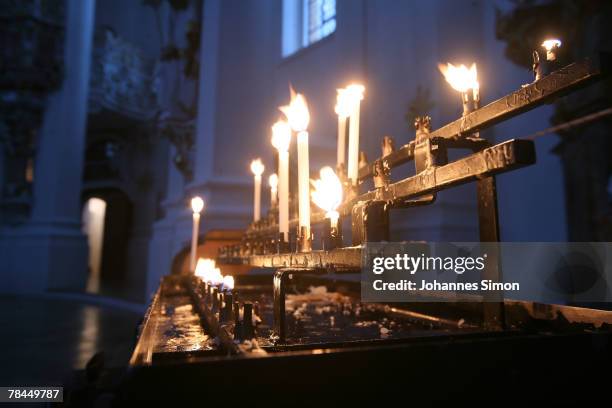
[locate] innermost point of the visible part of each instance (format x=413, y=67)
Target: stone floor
x=43, y=339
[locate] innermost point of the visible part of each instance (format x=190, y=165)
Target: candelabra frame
x=369, y=211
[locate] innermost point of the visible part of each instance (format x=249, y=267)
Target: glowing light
x=344, y=103
x=197, y=204
x=257, y=167
x=354, y=93
x=273, y=181
x=297, y=112
x=228, y=282
x=328, y=192
x=281, y=135
x=204, y=268
x=216, y=278
x=551, y=43
x=208, y=272
x=461, y=78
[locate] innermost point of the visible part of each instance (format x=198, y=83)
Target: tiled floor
x=42, y=339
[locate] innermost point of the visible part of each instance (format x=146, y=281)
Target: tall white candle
x=281, y=137
x=283, y=194
x=257, y=168
x=257, y=199
x=298, y=118
x=273, y=182
x=197, y=204
x=341, y=141
x=343, y=110
x=355, y=95
x=304, y=181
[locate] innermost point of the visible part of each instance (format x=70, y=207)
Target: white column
x=58, y=170
x=207, y=102
x=50, y=251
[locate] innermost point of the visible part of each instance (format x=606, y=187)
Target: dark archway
x=117, y=228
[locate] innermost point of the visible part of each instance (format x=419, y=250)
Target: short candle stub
x=304, y=240
x=467, y=99
x=214, y=299
x=332, y=235
x=225, y=314
x=237, y=325
x=282, y=246
x=248, y=331
x=552, y=48
x=545, y=64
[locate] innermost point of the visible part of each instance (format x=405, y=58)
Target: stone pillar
x=49, y=251
x=207, y=101
x=173, y=232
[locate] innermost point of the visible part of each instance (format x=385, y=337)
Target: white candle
x=273, y=182
x=304, y=181
x=355, y=95
x=341, y=141
x=257, y=199
x=298, y=118
x=257, y=168
x=281, y=137
x=197, y=204
x=283, y=194
x=343, y=110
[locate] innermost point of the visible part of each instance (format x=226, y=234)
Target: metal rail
x=549, y=87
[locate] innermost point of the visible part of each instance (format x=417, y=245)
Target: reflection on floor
x=43, y=339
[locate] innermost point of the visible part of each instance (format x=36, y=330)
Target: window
x=306, y=22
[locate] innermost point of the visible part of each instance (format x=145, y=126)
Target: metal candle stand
x=370, y=211
x=219, y=312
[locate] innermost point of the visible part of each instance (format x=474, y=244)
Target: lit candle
x=204, y=267
x=463, y=80
x=215, y=278
x=544, y=66
x=327, y=194
x=281, y=137
x=197, y=204
x=354, y=93
x=273, y=182
x=228, y=282
x=551, y=46
x=298, y=118
x=257, y=168
x=343, y=110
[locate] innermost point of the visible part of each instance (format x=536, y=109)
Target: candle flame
x=297, y=112
x=460, y=77
x=551, y=43
x=257, y=167
x=228, y=282
x=215, y=277
x=344, y=103
x=281, y=135
x=354, y=94
x=204, y=268
x=328, y=192
x=273, y=181
x=197, y=204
